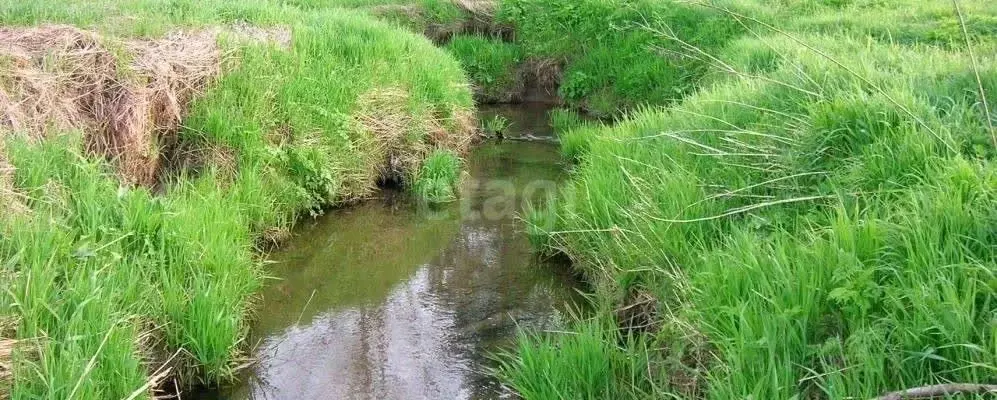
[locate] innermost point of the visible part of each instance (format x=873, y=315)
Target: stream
x=391, y=299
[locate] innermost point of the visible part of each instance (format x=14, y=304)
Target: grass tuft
x=437, y=180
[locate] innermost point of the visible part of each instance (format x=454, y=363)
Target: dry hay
x=7, y=327
x=479, y=10
x=541, y=79
x=385, y=116
x=536, y=80
x=639, y=312
x=11, y=201
x=6, y=350
x=402, y=137
x=480, y=19
x=56, y=78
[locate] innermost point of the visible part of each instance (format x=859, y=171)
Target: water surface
x=392, y=299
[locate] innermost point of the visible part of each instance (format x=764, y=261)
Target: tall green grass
x=492, y=65
x=573, y=132
x=110, y=282
x=816, y=220
x=437, y=180
x=603, y=367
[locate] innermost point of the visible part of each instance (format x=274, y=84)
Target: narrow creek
x=391, y=299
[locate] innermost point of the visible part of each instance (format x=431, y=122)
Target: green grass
x=107, y=278
x=153, y=18
x=573, y=132
x=540, y=218
x=611, y=63
x=812, y=228
x=492, y=65
x=602, y=367
x=437, y=180
x=495, y=126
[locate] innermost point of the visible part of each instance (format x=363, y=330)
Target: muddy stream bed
x=390, y=299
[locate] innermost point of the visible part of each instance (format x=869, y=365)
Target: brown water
x=396, y=300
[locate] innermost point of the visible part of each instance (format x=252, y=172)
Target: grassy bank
x=810, y=214
x=593, y=55
x=116, y=288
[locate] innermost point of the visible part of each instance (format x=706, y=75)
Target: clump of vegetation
x=438, y=20
x=575, y=142
x=110, y=281
x=541, y=220
x=438, y=178
x=565, y=119
x=495, y=126
x=492, y=64
x=813, y=221
x=573, y=131
x=603, y=368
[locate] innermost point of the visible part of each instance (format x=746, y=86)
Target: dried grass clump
x=7, y=329
x=402, y=138
x=127, y=97
x=385, y=115
x=475, y=17
x=11, y=201
x=465, y=130
x=281, y=36
x=639, y=312
x=480, y=19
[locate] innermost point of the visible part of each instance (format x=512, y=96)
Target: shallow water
x=395, y=300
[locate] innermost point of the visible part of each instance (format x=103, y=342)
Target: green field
x=784, y=199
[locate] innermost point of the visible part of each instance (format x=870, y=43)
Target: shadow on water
x=395, y=300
